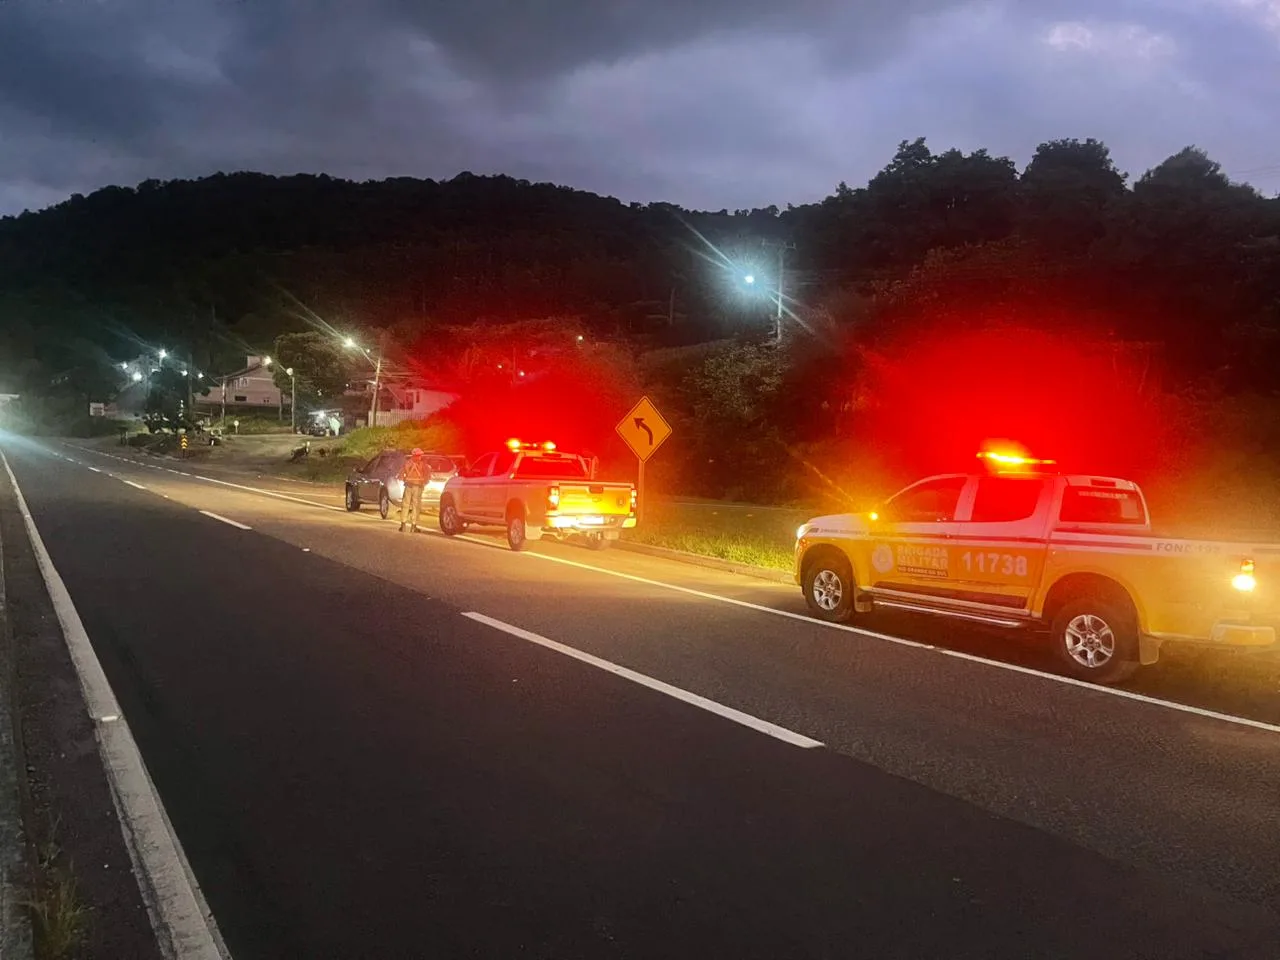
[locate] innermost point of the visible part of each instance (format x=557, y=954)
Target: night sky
x=706, y=103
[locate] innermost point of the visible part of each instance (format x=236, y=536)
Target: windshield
x=551, y=468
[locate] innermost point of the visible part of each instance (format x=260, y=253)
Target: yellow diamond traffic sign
x=644, y=429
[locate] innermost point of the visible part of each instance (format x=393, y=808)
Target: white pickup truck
x=534, y=490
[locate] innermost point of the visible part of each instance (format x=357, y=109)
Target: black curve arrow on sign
x=641, y=425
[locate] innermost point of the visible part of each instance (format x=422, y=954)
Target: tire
x=1095, y=639
x=353, y=499
x=598, y=541
x=384, y=504
x=829, y=587
x=517, y=537
x=450, y=525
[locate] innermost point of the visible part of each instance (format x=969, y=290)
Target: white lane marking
x=132, y=484
x=95, y=469
x=972, y=658
x=856, y=631
x=230, y=523
x=181, y=919
x=269, y=493
x=729, y=713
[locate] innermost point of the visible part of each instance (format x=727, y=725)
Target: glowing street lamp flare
x=163, y=354
x=124, y=366
x=137, y=375
x=749, y=279
x=266, y=361
x=349, y=342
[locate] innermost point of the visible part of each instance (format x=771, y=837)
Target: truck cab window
x=502, y=466
x=933, y=501
x=1006, y=499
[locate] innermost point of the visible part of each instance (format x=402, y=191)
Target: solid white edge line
x=132, y=484
x=846, y=628
x=182, y=923
x=230, y=523
x=711, y=706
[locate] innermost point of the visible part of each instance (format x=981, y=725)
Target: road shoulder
x=70, y=816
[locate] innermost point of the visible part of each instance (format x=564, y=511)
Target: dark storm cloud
x=515, y=40
x=706, y=102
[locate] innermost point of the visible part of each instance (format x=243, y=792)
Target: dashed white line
x=729, y=713
x=95, y=469
x=944, y=651
x=132, y=484
x=230, y=523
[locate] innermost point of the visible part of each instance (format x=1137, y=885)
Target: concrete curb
x=713, y=563
x=16, y=941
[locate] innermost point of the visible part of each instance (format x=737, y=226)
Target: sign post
x=644, y=430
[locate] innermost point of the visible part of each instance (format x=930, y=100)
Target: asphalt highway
x=375, y=744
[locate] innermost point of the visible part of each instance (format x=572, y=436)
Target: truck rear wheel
x=1096, y=639
x=828, y=586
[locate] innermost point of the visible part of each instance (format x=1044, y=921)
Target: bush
x=434, y=434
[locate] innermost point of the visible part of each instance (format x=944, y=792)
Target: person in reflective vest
x=414, y=474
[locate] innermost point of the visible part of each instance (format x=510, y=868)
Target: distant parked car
x=376, y=481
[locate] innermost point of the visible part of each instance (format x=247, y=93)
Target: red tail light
x=553, y=498
x=633, y=499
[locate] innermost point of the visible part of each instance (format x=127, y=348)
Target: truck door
x=491, y=492
x=910, y=552
x=470, y=491
x=999, y=541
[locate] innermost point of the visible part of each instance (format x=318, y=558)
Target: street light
x=266, y=361
x=293, y=399
x=137, y=376
x=124, y=365
x=350, y=343
x=749, y=279
x=163, y=354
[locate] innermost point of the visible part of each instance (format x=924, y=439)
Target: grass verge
x=739, y=532
x=59, y=916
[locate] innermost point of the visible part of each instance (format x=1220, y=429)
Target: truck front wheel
x=1096, y=639
x=828, y=587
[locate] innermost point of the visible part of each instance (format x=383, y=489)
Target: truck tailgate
x=595, y=499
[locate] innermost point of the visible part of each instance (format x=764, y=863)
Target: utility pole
x=377, y=380
x=783, y=246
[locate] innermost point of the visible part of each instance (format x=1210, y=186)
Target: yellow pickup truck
x=1073, y=557
x=532, y=489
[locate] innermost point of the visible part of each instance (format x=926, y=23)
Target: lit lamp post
x=350, y=344
x=293, y=399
